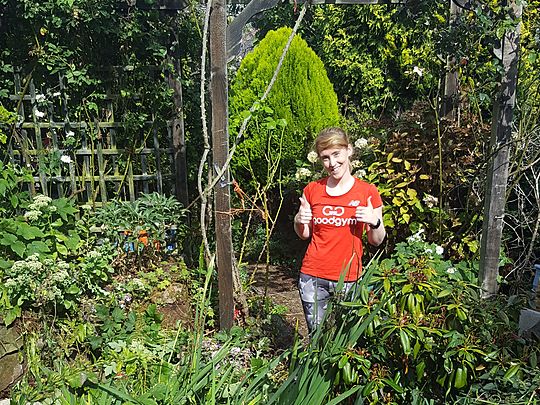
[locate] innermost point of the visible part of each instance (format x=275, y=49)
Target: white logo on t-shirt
x=331, y=216
x=328, y=210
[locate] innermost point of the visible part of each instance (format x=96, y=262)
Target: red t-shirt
x=336, y=240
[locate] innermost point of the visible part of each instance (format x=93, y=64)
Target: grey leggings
x=315, y=293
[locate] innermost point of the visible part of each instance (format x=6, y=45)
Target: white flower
x=417, y=237
x=355, y=164
x=32, y=215
x=39, y=114
x=450, y=270
x=429, y=251
x=70, y=133
x=302, y=172
x=66, y=159
x=439, y=250
x=93, y=254
x=361, y=143
x=418, y=71
x=430, y=200
x=360, y=173
x=40, y=98
x=56, y=94
x=40, y=201
x=312, y=156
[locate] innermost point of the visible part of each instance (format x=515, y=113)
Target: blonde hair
x=331, y=138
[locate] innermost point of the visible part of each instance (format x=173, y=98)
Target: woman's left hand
x=367, y=214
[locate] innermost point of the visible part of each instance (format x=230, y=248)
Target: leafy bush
x=302, y=96
x=52, y=285
x=48, y=227
x=418, y=332
x=152, y=215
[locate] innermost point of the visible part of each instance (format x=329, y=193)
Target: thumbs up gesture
x=367, y=214
x=304, y=214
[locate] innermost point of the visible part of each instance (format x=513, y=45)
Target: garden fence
x=91, y=159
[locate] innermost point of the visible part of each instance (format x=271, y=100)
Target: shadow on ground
x=280, y=285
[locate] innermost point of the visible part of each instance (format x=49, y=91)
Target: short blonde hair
x=331, y=138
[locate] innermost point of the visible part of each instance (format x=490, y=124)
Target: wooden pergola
x=224, y=45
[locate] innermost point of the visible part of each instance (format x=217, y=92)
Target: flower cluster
x=21, y=282
x=355, y=164
x=312, y=157
x=417, y=237
x=430, y=200
x=39, y=282
x=40, y=205
x=361, y=143
x=438, y=249
x=302, y=173
x=40, y=201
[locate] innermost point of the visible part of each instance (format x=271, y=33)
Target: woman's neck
x=336, y=187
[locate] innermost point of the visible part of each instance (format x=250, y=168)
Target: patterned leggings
x=315, y=293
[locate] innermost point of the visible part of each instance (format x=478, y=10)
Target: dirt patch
x=174, y=304
x=280, y=285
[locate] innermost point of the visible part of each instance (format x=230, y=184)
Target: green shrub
x=152, y=215
x=302, y=95
x=415, y=330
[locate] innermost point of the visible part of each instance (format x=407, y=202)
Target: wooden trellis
x=94, y=160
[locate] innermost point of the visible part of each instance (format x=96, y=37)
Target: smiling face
x=336, y=161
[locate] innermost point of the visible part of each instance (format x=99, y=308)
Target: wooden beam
x=497, y=177
x=220, y=151
x=234, y=30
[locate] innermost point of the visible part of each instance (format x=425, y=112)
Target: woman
x=334, y=212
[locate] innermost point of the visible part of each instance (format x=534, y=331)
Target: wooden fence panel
x=85, y=159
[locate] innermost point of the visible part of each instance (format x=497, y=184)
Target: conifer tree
x=302, y=95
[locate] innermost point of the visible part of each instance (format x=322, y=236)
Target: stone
x=529, y=323
x=11, y=370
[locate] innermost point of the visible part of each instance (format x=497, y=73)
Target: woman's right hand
x=304, y=215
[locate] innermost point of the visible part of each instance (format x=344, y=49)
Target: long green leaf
x=345, y=395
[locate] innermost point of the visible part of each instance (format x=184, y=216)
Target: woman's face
x=336, y=160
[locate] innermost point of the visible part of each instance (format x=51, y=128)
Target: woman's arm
x=302, y=219
x=377, y=235
x=371, y=217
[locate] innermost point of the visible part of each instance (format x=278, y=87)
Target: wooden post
x=220, y=150
x=178, y=134
x=450, y=97
x=501, y=135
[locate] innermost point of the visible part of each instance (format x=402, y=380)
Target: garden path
x=282, y=290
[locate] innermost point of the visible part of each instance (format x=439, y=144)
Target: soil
x=281, y=287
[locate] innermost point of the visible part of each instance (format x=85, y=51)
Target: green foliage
x=42, y=284
x=107, y=53
x=383, y=58
x=151, y=215
x=413, y=331
x=6, y=118
x=48, y=227
x=13, y=197
x=302, y=96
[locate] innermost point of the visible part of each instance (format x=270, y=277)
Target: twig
x=203, y=193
